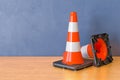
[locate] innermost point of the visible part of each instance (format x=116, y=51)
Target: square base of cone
x=87, y=63
x=97, y=61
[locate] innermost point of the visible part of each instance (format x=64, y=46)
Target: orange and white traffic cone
x=99, y=49
x=72, y=55
x=99, y=46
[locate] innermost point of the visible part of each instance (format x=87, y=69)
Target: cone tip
x=73, y=16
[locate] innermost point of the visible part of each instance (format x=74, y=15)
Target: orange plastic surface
x=73, y=37
x=101, y=48
x=71, y=58
x=89, y=50
x=73, y=17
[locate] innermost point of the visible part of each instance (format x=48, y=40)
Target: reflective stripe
x=73, y=27
x=73, y=46
x=84, y=51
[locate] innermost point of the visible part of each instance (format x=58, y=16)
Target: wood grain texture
x=40, y=68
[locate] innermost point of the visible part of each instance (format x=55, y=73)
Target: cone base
x=87, y=63
x=100, y=61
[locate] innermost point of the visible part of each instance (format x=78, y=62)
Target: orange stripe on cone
x=89, y=50
x=73, y=37
x=72, y=55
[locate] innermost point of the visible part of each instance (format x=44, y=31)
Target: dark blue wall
x=39, y=27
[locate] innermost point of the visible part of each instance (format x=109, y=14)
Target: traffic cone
x=99, y=49
x=72, y=55
x=72, y=58
x=100, y=46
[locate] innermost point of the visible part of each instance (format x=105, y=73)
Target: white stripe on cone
x=84, y=51
x=73, y=27
x=73, y=46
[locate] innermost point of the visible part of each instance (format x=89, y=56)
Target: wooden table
x=40, y=68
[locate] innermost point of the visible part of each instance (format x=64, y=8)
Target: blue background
x=39, y=27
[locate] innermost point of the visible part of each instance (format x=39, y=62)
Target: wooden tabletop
x=40, y=68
